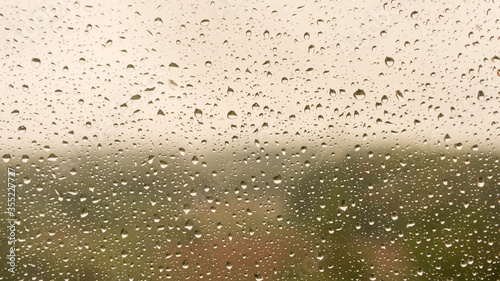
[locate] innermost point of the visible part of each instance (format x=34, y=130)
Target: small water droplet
x=124, y=233
x=35, y=62
x=158, y=22
x=52, y=157
x=6, y=158
x=84, y=213
x=198, y=113
x=399, y=95
x=186, y=208
x=359, y=94
x=480, y=181
x=480, y=96
x=232, y=115
x=277, y=179
x=394, y=216
x=258, y=277
x=389, y=61
x=343, y=205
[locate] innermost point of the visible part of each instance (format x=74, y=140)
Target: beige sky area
x=235, y=71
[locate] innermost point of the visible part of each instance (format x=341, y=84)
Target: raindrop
x=124, y=233
x=198, y=113
x=231, y=115
x=84, y=212
x=186, y=208
x=343, y=205
x=310, y=49
x=389, y=61
x=52, y=157
x=394, y=216
x=480, y=96
x=194, y=160
x=480, y=181
x=158, y=22
x=399, y=95
x=359, y=95
x=35, y=62
x=6, y=158
x=277, y=179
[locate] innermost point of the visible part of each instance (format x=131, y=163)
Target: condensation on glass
x=236, y=140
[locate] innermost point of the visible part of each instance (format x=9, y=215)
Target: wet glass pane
x=249, y=140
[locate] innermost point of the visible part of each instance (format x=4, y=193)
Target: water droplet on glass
x=399, y=95
x=480, y=181
x=158, y=22
x=310, y=49
x=186, y=208
x=194, y=160
x=231, y=115
x=359, y=95
x=394, y=216
x=84, y=213
x=124, y=233
x=343, y=205
x=389, y=61
x=277, y=179
x=480, y=96
x=6, y=158
x=198, y=113
x=35, y=62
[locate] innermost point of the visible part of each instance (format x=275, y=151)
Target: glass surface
x=250, y=140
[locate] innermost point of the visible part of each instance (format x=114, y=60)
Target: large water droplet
x=124, y=233
x=198, y=113
x=35, y=62
x=389, y=61
x=232, y=115
x=359, y=94
x=158, y=22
